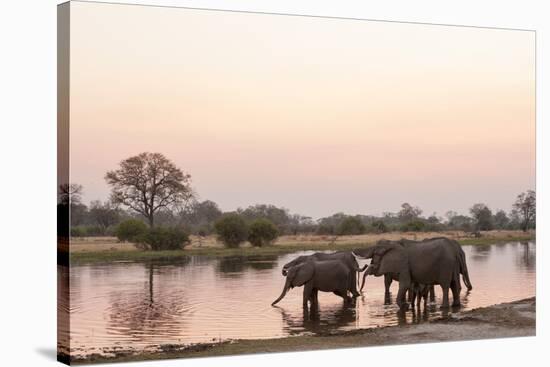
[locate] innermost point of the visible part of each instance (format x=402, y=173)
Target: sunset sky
x=316, y=115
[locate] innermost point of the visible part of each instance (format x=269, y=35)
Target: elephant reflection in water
x=418, y=315
x=315, y=321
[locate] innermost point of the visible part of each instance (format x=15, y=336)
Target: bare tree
x=408, y=212
x=70, y=193
x=147, y=183
x=526, y=207
x=70, y=199
x=70, y=210
x=450, y=215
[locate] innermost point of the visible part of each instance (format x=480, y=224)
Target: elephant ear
x=382, y=249
x=393, y=260
x=303, y=273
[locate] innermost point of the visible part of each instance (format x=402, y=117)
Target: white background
x=28, y=181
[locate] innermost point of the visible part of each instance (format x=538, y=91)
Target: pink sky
x=316, y=115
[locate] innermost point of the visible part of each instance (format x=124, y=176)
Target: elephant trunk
x=283, y=293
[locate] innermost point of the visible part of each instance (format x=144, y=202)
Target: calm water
x=141, y=306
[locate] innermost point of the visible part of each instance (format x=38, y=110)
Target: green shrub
x=130, y=229
x=78, y=231
x=325, y=229
x=351, y=226
x=204, y=230
x=162, y=238
x=414, y=226
x=87, y=231
x=434, y=227
x=262, y=232
x=92, y=231
x=232, y=230
x=111, y=231
x=378, y=226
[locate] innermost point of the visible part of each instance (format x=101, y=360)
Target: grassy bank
x=126, y=253
x=499, y=321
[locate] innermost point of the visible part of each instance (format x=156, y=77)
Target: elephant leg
x=432, y=294
x=401, y=299
x=445, y=289
x=456, y=292
x=315, y=300
x=404, y=285
x=387, y=283
x=308, y=289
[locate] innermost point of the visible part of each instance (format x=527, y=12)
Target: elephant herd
x=416, y=265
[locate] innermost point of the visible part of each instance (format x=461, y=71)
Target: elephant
x=388, y=278
x=345, y=257
x=418, y=292
x=326, y=276
x=434, y=261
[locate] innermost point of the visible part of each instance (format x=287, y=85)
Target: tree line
x=150, y=189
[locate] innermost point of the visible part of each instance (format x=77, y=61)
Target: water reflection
x=63, y=309
x=236, y=266
x=420, y=314
x=317, y=319
x=140, y=312
x=136, y=305
x=526, y=257
x=480, y=253
x=464, y=298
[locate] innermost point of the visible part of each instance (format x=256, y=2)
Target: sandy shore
x=515, y=319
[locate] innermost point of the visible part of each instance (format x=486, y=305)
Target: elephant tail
x=464, y=270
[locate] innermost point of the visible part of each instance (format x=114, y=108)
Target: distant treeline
x=149, y=191
x=199, y=218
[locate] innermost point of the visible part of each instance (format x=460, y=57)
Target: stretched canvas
x=237, y=182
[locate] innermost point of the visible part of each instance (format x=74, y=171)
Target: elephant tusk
x=363, y=283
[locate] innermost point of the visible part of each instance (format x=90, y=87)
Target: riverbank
x=107, y=249
x=515, y=319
